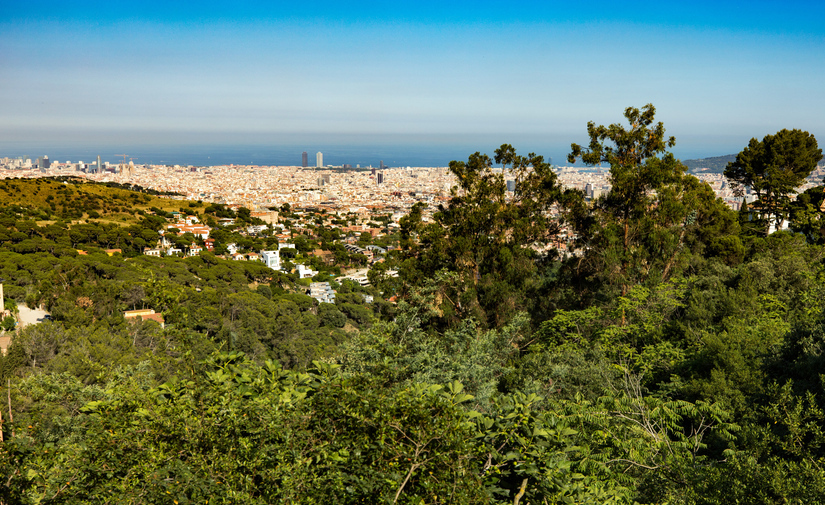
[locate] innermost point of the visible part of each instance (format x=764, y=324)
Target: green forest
x=648, y=346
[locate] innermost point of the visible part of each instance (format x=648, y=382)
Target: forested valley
x=650, y=345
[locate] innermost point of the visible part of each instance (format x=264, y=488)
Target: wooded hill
x=712, y=165
x=670, y=353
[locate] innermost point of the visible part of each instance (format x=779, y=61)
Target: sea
x=433, y=154
x=212, y=155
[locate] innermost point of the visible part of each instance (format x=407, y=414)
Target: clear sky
x=527, y=73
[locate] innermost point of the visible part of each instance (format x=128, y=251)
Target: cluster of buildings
x=363, y=192
x=44, y=164
x=258, y=187
x=323, y=292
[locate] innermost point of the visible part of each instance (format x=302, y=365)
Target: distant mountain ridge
x=713, y=165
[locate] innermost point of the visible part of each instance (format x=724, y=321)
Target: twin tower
x=319, y=159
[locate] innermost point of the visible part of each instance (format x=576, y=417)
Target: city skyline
x=261, y=187
x=375, y=74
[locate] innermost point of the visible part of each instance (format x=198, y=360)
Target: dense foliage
x=645, y=346
x=773, y=168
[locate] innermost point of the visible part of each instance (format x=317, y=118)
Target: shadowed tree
x=487, y=236
x=808, y=215
x=773, y=168
x=654, y=215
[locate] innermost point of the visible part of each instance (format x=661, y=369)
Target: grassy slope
x=112, y=204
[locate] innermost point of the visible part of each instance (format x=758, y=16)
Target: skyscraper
x=319, y=159
x=304, y=160
x=380, y=177
x=99, y=165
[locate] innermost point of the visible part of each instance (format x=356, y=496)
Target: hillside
x=70, y=198
x=712, y=165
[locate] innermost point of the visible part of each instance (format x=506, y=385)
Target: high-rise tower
x=304, y=160
x=99, y=165
x=319, y=159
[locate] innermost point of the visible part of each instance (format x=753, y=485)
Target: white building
x=272, y=259
x=322, y=292
x=256, y=229
x=305, y=272
x=361, y=280
x=319, y=159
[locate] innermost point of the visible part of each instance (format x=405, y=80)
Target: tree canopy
x=773, y=168
x=654, y=215
x=488, y=237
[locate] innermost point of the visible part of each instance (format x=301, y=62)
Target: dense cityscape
x=337, y=188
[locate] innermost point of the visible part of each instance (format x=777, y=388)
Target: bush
x=329, y=315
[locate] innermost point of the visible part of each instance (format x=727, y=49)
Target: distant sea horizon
x=397, y=155
x=262, y=155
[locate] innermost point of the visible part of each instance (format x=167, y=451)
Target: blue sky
x=372, y=72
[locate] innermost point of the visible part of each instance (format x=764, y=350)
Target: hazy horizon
x=392, y=150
